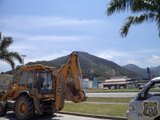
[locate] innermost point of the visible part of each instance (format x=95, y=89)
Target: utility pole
x=149, y=73
x=23, y=56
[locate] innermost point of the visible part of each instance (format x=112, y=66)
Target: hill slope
x=136, y=69
x=155, y=71
x=92, y=66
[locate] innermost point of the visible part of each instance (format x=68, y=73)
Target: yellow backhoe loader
x=38, y=89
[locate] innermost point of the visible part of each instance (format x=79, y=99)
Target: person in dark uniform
x=39, y=82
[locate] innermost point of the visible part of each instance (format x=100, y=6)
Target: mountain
x=92, y=66
x=136, y=69
x=155, y=71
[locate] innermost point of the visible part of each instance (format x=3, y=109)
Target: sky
x=48, y=29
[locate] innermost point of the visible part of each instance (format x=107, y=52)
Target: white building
x=117, y=82
x=87, y=83
x=4, y=80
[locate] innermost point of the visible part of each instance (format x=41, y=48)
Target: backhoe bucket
x=73, y=94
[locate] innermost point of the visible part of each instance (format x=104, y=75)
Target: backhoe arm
x=68, y=82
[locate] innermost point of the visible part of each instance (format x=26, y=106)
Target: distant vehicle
x=141, y=86
x=146, y=105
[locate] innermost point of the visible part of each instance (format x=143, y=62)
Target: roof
x=115, y=80
x=37, y=67
x=116, y=83
x=156, y=79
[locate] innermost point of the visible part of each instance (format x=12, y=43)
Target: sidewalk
x=101, y=102
x=94, y=116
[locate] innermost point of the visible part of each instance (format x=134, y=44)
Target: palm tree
x=5, y=54
x=147, y=10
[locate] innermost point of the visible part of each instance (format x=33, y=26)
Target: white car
x=146, y=105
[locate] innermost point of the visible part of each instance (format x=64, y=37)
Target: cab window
x=154, y=89
x=24, y=78
x=30, y=79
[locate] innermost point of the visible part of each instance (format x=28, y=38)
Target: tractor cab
x=36, y=77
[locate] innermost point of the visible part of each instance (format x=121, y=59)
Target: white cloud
x=4, y=66
x=22, y=47
x=53, y=38
x=38, y=37
x=47, y=57
x=31, y=22
x=132, y=61
x=131, y=57
x=33, y=39
x=112, y=54
x=154, y=60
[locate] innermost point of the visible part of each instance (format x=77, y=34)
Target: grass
x=116, y=110
x=100, y=90
x=109, y=99
x=97, y=90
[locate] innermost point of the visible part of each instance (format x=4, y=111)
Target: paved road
x=56, y=116
x=116, y=94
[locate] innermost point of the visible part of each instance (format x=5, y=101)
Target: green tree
x=5, y=54
x=145, y=10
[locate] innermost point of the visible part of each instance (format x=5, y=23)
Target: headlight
x=131, y=108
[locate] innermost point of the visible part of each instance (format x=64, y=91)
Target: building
x=90, y=83
x=5, y=80
x=117, y=82
x=86, y=83
x=94, y=83
x=139, y=82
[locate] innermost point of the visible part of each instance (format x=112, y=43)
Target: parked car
x=146, y=105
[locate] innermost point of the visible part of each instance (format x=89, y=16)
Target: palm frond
x=9, y=57
x=6, y=42
x=9, y=61
x=156, y=5
x=0, y=35
x=116, y=6
x=158, y=23
x=125, y=28
x=15, y=55
x=142, y=6
x=134, y=20
x=134, y=5
x=149, y=10
x=5, y=54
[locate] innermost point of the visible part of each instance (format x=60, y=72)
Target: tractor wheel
x=24, y=108
x=48, y=113
x=2, y=110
